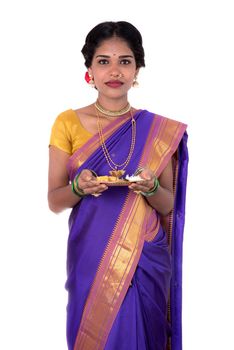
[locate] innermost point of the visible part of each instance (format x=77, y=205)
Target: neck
x=112, y=113
x=113, y=104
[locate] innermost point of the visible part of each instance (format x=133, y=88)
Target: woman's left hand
x=147, y=184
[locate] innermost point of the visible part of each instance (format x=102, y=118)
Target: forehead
x=113, y=47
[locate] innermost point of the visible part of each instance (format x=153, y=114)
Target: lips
x=114, y=83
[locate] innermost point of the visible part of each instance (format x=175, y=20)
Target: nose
x=116, y=75
x=115, y=71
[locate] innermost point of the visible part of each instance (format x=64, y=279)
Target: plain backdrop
x=189, y=77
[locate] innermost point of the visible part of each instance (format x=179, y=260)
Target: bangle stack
x=76, y=189
x=154, y=189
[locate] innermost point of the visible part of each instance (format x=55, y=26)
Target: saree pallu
x=123, y=261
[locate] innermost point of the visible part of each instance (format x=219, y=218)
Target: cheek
x=98, y=74
x=131, y=74
x=130, y=77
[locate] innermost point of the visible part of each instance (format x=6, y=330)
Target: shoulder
x=163, y=119
x=66, y=120
x=64, y=123
x=168, y=119
x=161, y=125
x=67, y=115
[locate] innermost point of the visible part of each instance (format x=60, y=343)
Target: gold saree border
x=170, y=133
x=165, y=144
x=156, y=158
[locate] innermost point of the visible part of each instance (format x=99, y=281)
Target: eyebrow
x=122, y=56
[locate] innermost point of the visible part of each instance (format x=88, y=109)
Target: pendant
x=117, y=173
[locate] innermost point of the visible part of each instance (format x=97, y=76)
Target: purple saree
x=121, y=264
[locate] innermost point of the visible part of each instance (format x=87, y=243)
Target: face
x=113, y=68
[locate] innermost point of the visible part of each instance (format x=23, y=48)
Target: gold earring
x=135, y=82
x=91, y=81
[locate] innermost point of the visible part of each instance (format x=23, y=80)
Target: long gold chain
x=111, y=163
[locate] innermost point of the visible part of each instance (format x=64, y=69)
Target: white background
x=188, y=76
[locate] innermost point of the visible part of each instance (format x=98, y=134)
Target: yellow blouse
x=67, y=132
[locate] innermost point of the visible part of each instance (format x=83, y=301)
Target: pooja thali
x=115, y=181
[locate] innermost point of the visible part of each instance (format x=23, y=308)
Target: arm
x=163, y=200
x=60, y=195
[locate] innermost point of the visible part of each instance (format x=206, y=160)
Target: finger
x=86, y=175
x=143, y=183
x=92, y=183
x=140, y=187
x=95, y=189
x=87, y=179
x=146, y=174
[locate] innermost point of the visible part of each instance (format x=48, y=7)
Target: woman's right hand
x=60, y=194
x=88, y=183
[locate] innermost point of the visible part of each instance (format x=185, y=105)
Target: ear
x=90, y=71
x=137, y=72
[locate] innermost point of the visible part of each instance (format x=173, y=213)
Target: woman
x=124, y=246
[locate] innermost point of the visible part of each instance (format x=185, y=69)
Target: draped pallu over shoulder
x=107, y=234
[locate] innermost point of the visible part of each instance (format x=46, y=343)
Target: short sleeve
x=60, y=135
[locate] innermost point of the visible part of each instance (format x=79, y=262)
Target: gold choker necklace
x=122, y=111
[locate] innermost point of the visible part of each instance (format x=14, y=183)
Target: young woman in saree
x=125, y=238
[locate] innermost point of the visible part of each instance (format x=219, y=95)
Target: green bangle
x=75, y=187
x=79, y=194
x=154, y=189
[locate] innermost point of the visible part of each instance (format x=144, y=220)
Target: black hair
x=106, y=30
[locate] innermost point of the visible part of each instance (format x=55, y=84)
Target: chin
x=113, y=93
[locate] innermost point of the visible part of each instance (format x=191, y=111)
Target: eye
x=103, y=61
x=125, y=61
